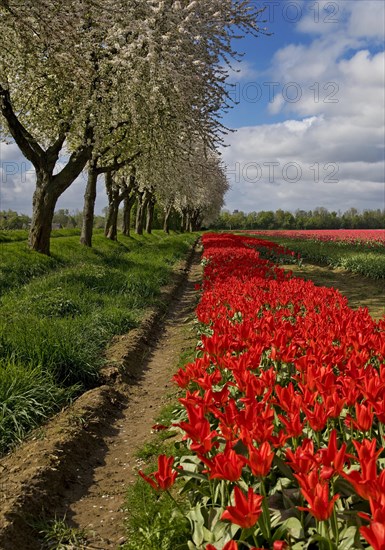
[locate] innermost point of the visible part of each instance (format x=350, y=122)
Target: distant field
x=12, y=235
x=353, y=236
x=359, y=251
x=58, y=313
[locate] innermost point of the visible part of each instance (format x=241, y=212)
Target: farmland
x=353, y=236
x=281, y=414
x=58, y=313
x=280, y=409
x=359, y=251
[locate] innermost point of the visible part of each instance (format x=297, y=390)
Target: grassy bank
x=364, y=259
x=151, y=519
x=58, y=313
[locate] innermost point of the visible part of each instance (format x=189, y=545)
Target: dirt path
x=95, y=503
x=80, y=465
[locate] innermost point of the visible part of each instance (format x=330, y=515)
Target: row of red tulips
x=354, y=236
x=284, y=412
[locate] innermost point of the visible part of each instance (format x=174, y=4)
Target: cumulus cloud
x=329, y=92
x=351, y=18
x=17, y=184
x=333, y=137
x=17, y=179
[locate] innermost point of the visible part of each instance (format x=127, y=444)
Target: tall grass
x=13, y=235
x=56, y=324
x=367, y=260
x=27, y=398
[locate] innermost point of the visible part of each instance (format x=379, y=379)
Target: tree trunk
x=129, y=201
x=140, y=211
x=89, y=205
x=182, y=221
x=44, y=202
x=188, y=222
x=150, y=214
x=111, y=228
x=167, y=214
x=128, y=204
x=49, y=187
x=196, y=220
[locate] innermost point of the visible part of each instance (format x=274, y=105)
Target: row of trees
x=66, y=219
x=129, y=90
x=319, y=218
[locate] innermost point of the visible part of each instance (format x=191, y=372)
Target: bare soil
x=360, y=291
x=80, y=464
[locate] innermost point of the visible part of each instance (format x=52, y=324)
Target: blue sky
x=310, y=118
x=258, y=86
x=310, y=122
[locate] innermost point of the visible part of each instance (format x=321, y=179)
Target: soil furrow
x=100, y=509
x=88, y=487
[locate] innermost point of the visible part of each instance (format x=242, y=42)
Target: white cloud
x=335, y=131
x=352, y=18
x=337, y=122
x=241, y=71
x=367, y=19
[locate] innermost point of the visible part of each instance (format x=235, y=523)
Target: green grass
x=13, y=235
x=27, y=398
x=367, y=260
x=153, y=521
x=58, y=314
x=56, y=534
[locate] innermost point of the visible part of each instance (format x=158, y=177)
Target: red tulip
x=364, y=417
x=260, y=459
x=227, y=465
x=164, y=477
x=247, y=508
x=316, y=492
x=231, y=545
x=332, y=460
x=375, y=535
x=303, y=458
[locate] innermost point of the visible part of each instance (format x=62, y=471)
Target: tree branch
x=53, y=150
x=116, y=164
x=72, y=169
x=24, y=140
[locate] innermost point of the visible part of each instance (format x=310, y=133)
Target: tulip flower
x=227, y=465
x=375, y=535
x=332, y=460
x=247, y=508
x=164, y=477
x=260, y=459
x=231, y=545
x=316, y=492
x=364, y=417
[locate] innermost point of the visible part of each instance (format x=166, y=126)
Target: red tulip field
x=368, y=236
x=360, y=251
x=283, y=411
